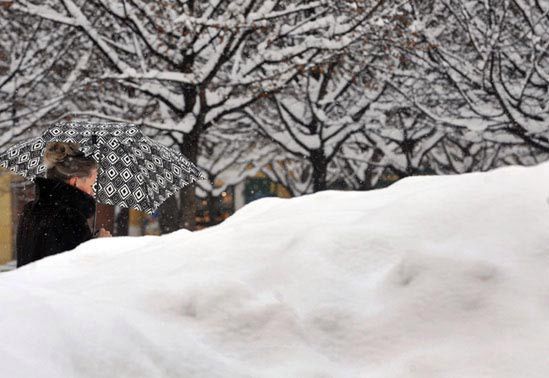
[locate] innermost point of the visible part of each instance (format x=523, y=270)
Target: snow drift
x=431, y=277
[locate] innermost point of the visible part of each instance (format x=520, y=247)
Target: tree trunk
x=168, y=218
x=187, y=208
x=213, y=210
x=174, y=216
x=187, y=205
x=320, y=170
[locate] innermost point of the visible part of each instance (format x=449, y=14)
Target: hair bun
x=57, y=152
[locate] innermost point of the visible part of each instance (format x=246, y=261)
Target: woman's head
x=65, y=162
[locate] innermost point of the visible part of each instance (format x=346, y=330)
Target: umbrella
x=133, y=170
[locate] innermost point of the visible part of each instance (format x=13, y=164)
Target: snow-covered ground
x=432, y=277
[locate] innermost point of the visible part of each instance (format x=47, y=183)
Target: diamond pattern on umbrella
x=35, y=162
x=126, y=174
x=111, y=172
x=124, y=191
x=38, y=145
x=139, y=194
x=110, y=189
x=134, y=171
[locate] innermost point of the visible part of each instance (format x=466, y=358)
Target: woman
x=57, y=220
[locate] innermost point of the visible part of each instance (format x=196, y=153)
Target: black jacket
x=56, y=221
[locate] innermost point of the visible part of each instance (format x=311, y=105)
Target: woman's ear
x=72, y=181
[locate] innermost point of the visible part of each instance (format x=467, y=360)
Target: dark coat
x=56, y=221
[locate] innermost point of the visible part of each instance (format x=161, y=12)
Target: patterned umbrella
x=134, y=171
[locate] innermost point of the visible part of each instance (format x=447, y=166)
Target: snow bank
x=432, y=277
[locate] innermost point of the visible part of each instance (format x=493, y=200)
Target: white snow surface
x=431, y=277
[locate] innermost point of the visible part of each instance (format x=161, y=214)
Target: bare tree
x=482, y=66
x=38, y=72
x=319, y=112
x=185, y=65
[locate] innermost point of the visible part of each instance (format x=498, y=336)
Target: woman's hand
x=102, y=233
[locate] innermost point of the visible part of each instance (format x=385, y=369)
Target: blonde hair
x=65, y=160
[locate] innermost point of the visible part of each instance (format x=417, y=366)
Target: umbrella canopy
x=134, y=171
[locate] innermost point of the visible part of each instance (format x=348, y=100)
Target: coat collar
x=58, y=193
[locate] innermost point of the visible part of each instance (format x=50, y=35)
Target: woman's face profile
x=85, y=184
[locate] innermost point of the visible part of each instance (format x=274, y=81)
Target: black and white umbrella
x=134, y=171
